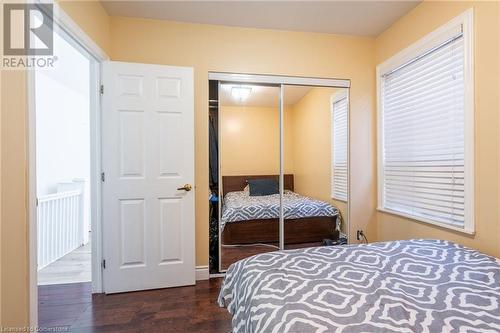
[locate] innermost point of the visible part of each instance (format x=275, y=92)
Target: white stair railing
x=60, y=225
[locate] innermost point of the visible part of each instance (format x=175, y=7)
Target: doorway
x=64, y=168
x=62, y=106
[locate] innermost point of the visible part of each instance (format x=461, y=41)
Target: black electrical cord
x=360, y=234
x=366, y=240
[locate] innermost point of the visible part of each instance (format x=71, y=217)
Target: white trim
x=220, y=193
x=64, y=22
x=216, y=275
x=279, y=79
x=202, y=273
x=281, y=227
x=469, y=119
x=380, y=139
x=32, y=209
x=338, y=96
x=95, y=180
x=429, y=41
x=465, y=20
x=424, y=220
x=348, y=219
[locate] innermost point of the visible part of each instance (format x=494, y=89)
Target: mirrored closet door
x=278, y=165
x=249, y=118
x=315, y=147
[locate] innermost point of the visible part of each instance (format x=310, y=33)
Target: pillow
x=259, y=187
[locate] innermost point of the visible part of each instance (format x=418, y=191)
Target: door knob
x=186, y=188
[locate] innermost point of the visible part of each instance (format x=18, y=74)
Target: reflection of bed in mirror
x=250, y=220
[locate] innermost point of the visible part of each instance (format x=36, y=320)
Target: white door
x=147, y=157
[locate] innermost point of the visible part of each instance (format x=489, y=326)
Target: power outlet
x=359, y=234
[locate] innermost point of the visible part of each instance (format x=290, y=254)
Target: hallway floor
x=72, y=268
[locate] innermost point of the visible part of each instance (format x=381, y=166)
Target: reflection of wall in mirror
x=250, y=143
x=311, y=150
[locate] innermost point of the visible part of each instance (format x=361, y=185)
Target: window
x=426, y=122
x=339, y=147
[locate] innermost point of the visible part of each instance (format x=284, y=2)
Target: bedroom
x=129, y=33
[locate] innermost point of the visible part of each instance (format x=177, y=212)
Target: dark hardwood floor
x=71, y=308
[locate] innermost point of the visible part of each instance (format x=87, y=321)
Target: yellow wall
x=423, y=19
x=230, y=49
x=14, y=298
x=250, y=141
x=92, y=18
x=311, y=121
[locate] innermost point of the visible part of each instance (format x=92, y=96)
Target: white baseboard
x=217, y=275
x=202, y=273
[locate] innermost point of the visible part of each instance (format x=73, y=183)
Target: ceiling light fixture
x=240, y=93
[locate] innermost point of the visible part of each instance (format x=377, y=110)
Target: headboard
x=238, y=183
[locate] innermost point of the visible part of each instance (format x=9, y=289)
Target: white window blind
x=339, y=149
x=423, y=136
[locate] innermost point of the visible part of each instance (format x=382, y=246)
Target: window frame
x=336, y=97
x=423, y=45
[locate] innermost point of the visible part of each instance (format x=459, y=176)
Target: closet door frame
x=282, y=170
x=281, y=81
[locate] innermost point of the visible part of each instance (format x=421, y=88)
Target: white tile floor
x=72, y=268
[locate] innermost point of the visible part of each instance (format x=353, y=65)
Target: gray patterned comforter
x=401, y=286
x=240, y=206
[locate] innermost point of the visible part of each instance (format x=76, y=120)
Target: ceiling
x=262, y=96
x=360, y=18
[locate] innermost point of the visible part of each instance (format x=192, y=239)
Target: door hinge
x=101, y=89
x=104, y=263
x=36, y=202
x=103, y=177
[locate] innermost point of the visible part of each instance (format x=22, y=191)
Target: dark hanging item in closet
x=213, y=150
x=214, y=236
x=213, y=147
x=214, y=153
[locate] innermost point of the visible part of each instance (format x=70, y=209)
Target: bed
x=247, y=220
x=399, y=286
